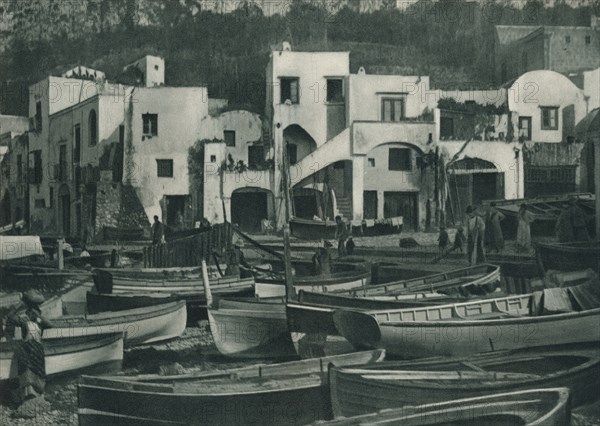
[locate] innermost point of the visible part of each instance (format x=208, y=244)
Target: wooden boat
x=548, y=407
x=21, y=277
x=104, y=352
x=569, y=256
x=141, y=325
x=196, y=303
x=477, y=280
x=506, y=323
x=290, y=393
x=308, y=229
x=369, y=389
x=165, y=280
x=344, y=276
x=312, y=313
x=545, y=210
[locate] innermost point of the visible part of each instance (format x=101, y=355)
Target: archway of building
x=250, y=207
x=298, y=143
x=394, y=184
x=471, y=181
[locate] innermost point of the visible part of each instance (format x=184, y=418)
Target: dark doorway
x=370, y=204
x=175, y=204
x=402, y=204
x=248, y=209
x=485, y=187
x=65, y=210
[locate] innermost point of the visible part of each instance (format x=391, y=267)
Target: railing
x=189, y=251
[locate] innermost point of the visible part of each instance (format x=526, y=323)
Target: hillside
x=453, y=42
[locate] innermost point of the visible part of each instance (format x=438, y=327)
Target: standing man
x=578, y=221
x=475, y=232
x=158, y=231
x=494, y=219
x=30, y=352
x=341, y=235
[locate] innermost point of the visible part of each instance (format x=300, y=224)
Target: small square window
x=229, y=136
x=371, y=162
x=213, y=158
x=588, y=39
x=549, y=118
x=568, y=39
x=164, y=168
x=150, y=123
x=156, y=67
x=335, y=90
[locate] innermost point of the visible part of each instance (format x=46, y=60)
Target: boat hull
x=141, y=326
x=251, y=329
x=547, y=407
x=67, y=355
x=447, y=338
x=167, y=280
x=569, y=257
x=145, y=401
x=368, y=390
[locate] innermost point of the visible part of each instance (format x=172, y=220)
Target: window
x=150, y=124
x=256, y=156
x=164, y=168
x=229, y=136
x=588, y=39
x=36, y=174
x=335, y=90
x=77, y=148
x=51, y=200
x=392, y=109
x=213, y=158
x=93, y=126
x=400, y=159
x=549, y=118
x=525, y=128
x=371, y=162
x=568, y=39
x=38, y=116
x=289, y=90
x=62, y=163
x=121, y=134
x=292, y=153
x=446, y=128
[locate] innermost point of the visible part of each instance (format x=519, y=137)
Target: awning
x=19, y=246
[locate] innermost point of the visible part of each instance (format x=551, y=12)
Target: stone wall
x=118, y=206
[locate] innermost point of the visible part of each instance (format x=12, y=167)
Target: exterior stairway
x=344, y=207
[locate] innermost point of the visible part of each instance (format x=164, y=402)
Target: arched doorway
x=64, y=197
x=250, y=206
x=471, y=181
x=396, y=184
x=298, y=143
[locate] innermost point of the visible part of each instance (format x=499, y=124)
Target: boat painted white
x=267, y=290
x=466, y=328
x=70, y=354
x=140, y=325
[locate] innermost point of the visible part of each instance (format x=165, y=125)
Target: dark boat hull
x=569, y=256
x=306, y=229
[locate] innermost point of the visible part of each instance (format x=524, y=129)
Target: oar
x=207, y=293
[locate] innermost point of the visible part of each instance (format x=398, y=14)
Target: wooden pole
x=61, y=257
x=290, y=291
x=205, y=282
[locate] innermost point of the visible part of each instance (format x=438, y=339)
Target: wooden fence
x=189, y=251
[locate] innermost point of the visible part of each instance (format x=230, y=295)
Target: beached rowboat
x=291, y=393
x=569, y=256
x=506, y=323
x=392, y=384
x=141, y=325
x=547, y=407
x=69, y=354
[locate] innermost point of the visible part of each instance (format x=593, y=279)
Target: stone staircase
x=344, y=206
